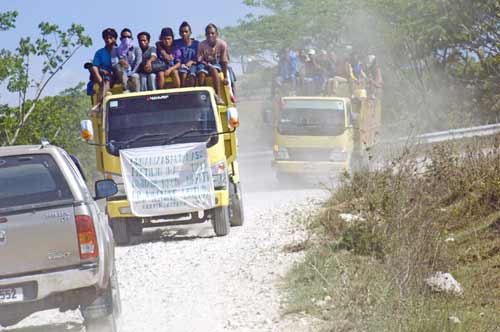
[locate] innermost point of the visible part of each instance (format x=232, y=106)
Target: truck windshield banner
x=164, y=180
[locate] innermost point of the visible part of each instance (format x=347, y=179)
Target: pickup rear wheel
x=236, y=199
x=101, y=315
x=103, y=324
x=11, y=321
x=121, y=231
x=220, y=221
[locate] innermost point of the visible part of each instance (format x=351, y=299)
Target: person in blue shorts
x=169, y=61
x=102, y=69
x=213, y=58
x=189, y=62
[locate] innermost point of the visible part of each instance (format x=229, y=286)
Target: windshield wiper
x=139, y=137
x=192, y=130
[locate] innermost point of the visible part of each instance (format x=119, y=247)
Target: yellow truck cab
x=173, y=153
x=320, y=137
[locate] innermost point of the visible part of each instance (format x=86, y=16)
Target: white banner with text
x=171, y=179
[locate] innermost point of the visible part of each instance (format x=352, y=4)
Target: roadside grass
x=368, y=273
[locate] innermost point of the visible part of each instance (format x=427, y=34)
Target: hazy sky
x=138, y=15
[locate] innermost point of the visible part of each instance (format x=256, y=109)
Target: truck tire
x=135, y=227
x=101, y=315
x=284, y=179
x=220, y=221
x=237, y=213
x=121, y=231
x=103, y=324
x=11, y=321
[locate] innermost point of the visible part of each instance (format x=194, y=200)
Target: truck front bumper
x=309, y=167
x=121, y=208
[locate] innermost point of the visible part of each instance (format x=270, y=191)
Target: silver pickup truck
x=56, y=247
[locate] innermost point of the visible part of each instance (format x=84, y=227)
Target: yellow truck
x=320, y=137
x=173, y=153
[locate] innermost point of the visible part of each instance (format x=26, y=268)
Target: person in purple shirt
x=189, y=48
x=102, y=70
x=169, y=59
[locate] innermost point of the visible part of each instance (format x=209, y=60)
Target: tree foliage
x=439, y=57
x=7, y=20
x=54, y=47
x=292, y=23
x=56, y=118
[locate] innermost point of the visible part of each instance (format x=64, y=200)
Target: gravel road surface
x=183, y=278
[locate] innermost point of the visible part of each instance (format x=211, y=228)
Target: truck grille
x=309, y=154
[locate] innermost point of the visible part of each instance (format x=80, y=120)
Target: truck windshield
x=312, y=118
x=31, y=179
x=163, y=119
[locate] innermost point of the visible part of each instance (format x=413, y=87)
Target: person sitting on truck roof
x=357, y=76
x=146, y=74
x=126, y=60
x=213, y=57
x=169, y=59
x=102, y=70
x=314, y=73
x=331, y=73
x=356, y=70
x=188, y=48
x=374, y=74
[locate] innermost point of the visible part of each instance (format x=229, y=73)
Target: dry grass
x=415, y=220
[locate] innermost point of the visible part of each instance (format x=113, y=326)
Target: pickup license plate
x=10, y=295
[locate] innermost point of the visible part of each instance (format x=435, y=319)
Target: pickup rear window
x=31, y=179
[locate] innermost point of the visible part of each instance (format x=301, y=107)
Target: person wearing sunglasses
x=126, y=60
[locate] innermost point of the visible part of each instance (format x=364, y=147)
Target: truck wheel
x=220, y=221
x=104, y=324
x=121, y=231
x=135, y=227
x=101, y=315
x=237, y=214
x=284, y=179
x=11, y=321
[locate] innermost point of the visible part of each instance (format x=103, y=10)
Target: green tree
x=440, y=58
x=7, y=20
x=292, y=23
x=54, y=47
x=57, y=118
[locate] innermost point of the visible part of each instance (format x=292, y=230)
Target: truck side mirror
x=87, y=131
x=105, y=188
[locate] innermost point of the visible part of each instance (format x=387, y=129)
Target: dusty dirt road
x=184, y=279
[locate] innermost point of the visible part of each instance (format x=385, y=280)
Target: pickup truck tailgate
x=42, y=239
x=37, y=218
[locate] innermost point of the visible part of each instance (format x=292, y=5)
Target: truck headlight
x=281, y=153
x=219, y=175
x=338, y=155
x=119, y=183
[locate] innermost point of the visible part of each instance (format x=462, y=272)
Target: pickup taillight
x=87, y=238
